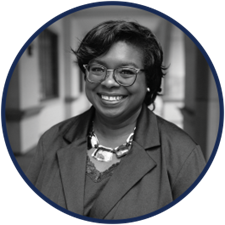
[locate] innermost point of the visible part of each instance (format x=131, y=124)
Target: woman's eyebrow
x=129, y=64
x=97, y=61
x=122, y=64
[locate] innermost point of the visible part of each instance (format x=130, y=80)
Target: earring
x=148, y=89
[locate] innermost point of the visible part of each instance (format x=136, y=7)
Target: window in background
x=48, y=61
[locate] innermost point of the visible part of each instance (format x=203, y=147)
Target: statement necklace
x=105, y=154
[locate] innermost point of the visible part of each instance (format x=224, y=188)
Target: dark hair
x=99, y=40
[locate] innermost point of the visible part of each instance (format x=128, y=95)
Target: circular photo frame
x=44, y=79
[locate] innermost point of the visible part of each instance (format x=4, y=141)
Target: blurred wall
x=201, y=109
x=189, y=98
x=28, y=117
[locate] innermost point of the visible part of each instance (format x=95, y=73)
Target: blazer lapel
x=132, y=168
x=72, y=165
x=72, y=162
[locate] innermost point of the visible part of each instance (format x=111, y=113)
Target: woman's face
x=110, y=99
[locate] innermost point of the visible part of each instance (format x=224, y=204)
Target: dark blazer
x=163, y=162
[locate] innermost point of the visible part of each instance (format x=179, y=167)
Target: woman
x=117, y=160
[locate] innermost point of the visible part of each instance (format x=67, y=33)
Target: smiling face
x=110, y=99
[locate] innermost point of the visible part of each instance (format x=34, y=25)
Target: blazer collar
x=72, y=163
x=147, y=131
x=79, y=127
x=147, y=126
x=132, y=168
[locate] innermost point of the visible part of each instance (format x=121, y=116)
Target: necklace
x=105, y=154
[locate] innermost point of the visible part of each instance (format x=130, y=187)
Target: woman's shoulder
x=175, y=135
x=177, y=146
x=63, y=127
x=182, y=156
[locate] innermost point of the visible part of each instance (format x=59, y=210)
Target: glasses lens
x=125, y=76
x=96, y=73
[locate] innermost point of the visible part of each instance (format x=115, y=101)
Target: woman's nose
x=109, y=80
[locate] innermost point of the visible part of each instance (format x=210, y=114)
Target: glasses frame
x=114, y=75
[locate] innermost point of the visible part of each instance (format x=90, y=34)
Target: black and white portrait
x=112, y=113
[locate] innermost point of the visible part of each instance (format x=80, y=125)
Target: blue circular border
x=107, y=3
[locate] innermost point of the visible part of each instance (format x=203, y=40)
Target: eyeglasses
x=125, y=76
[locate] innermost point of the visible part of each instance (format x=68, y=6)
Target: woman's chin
x=112, y=114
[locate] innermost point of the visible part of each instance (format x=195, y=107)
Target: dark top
x=94, y=184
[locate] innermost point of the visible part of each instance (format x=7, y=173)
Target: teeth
x=111, y=98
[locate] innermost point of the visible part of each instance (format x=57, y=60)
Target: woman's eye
x=97, y=69
x=127, y=72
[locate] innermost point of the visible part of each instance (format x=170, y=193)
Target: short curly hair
x=99, y=40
